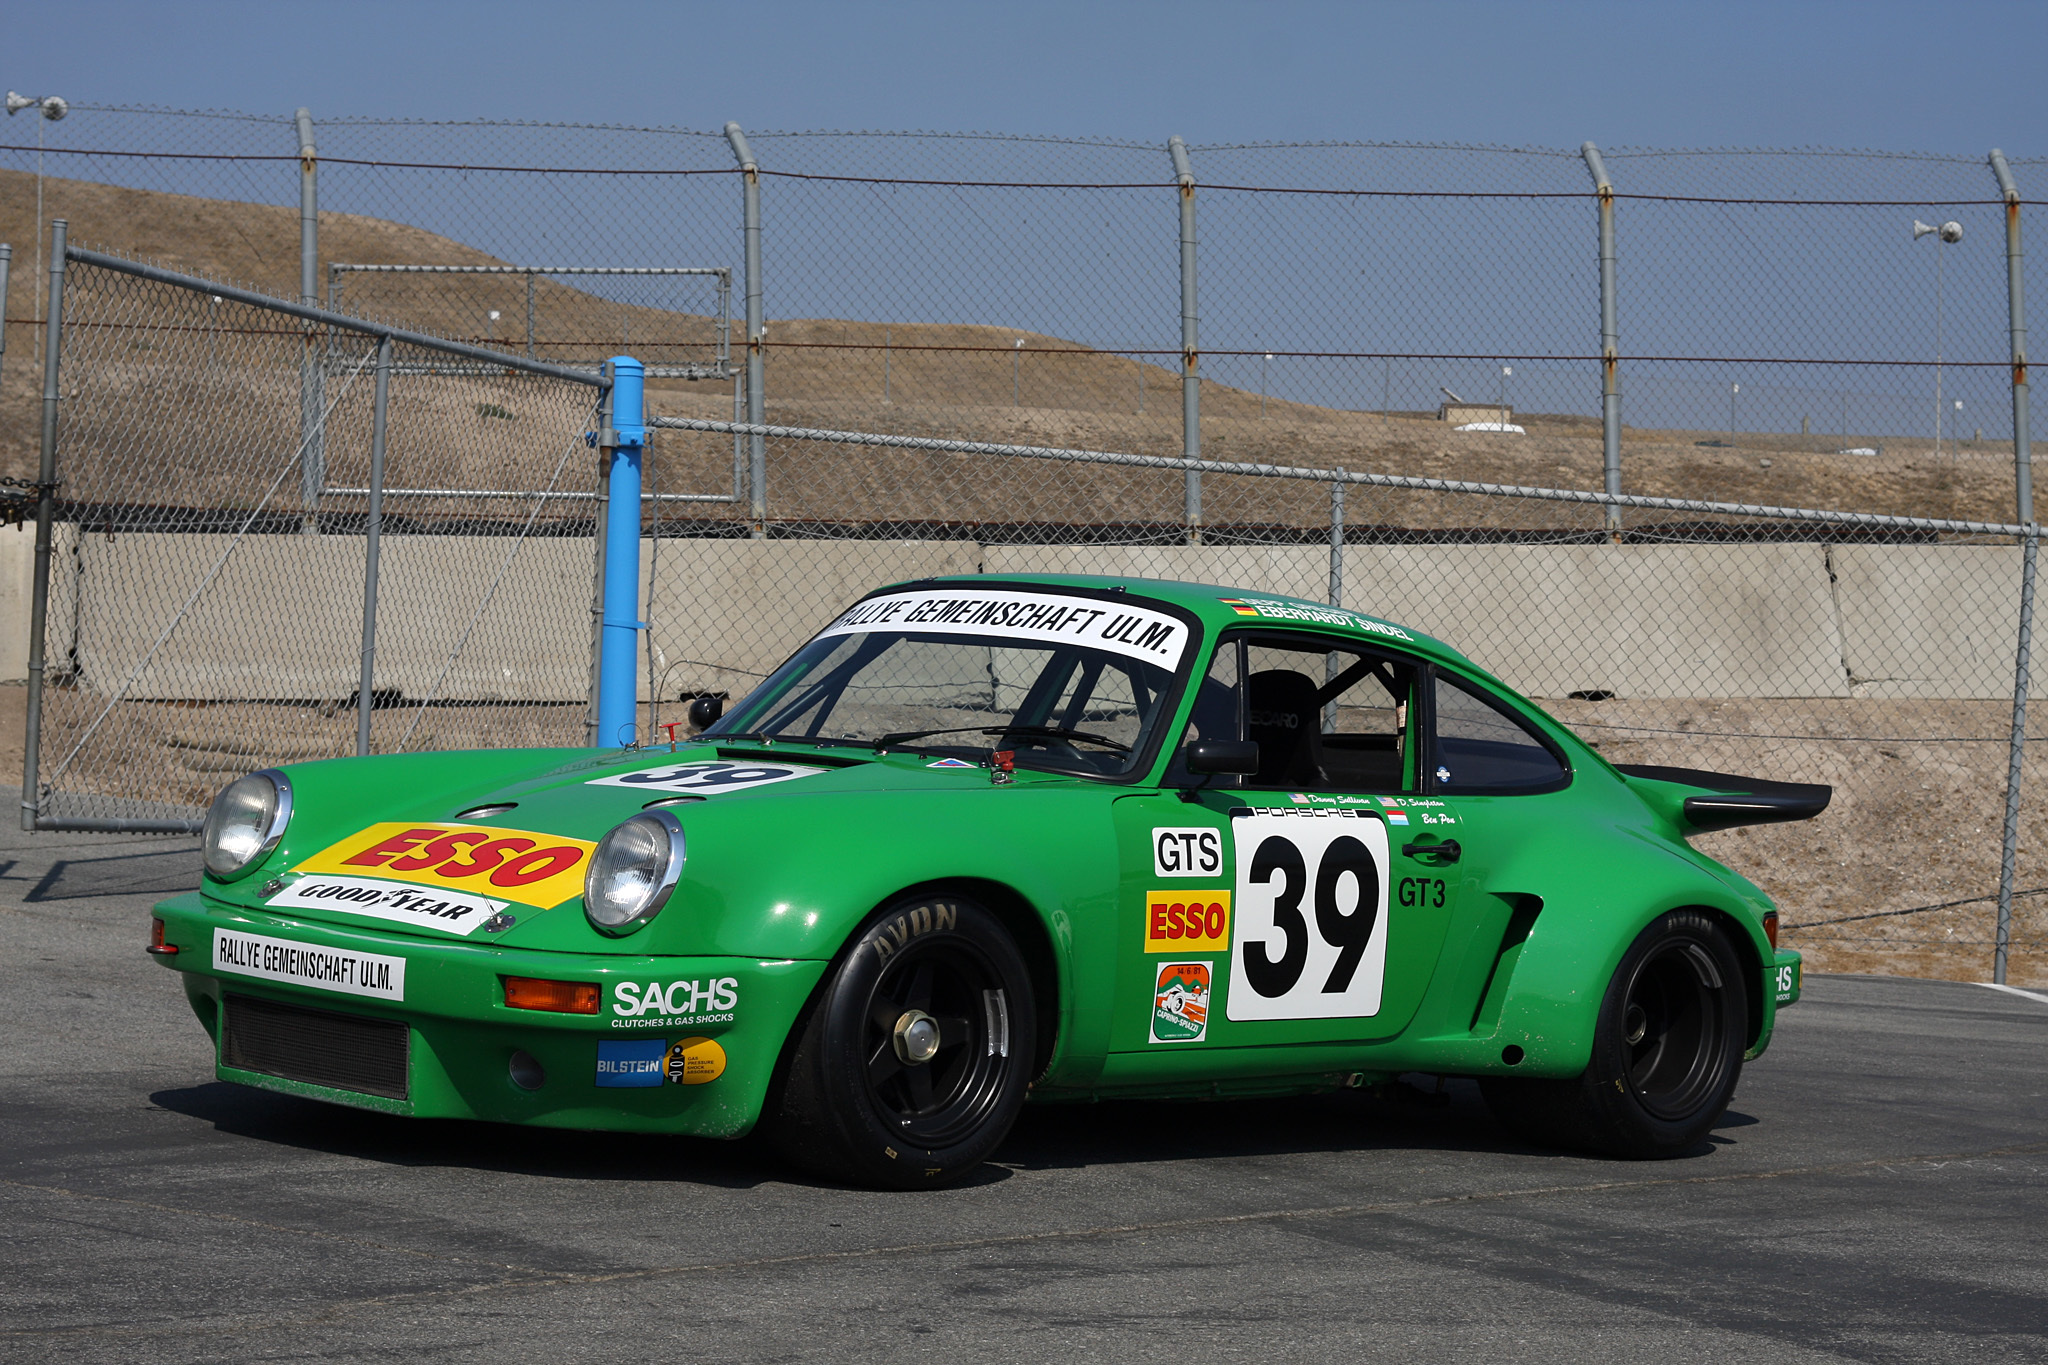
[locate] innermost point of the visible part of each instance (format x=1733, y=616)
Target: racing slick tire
x=915, y=1054
x=1667, y=1052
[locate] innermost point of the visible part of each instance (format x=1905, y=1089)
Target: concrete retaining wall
x=282, y=617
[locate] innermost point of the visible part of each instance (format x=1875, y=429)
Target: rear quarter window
x=1483, y=747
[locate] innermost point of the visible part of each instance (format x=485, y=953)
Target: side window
x=1481, y=748
x=1324, y=718
x=1218, y=712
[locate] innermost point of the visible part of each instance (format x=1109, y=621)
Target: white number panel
x=710, y=778
x=1311, y=913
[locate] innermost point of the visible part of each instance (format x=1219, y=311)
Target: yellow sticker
x=693, y=1061
x=1182, y=921
x=517, y=864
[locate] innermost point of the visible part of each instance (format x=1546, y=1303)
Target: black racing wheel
x=913, y=1060
x=1667, y=1051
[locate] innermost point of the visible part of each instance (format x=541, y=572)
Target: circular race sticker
x=694, y=1061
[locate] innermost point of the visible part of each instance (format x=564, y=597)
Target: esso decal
x=1192, y=852
x=1310, y=936
x=527, y=866
x=708, y=778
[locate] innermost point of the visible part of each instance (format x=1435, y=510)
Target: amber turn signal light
x=1771, y=929
x=559, y=997
x=156, y=940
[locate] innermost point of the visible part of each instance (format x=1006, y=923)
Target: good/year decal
x=708, y=778
x=452, y=911
x=517, y=864
x=1311, y=912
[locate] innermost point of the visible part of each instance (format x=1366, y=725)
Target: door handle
x=1448, y=850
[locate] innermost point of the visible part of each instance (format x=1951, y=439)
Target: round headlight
x=635, y=868
x=247, y=820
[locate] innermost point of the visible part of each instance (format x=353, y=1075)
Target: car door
x=1305, y=902
x=1490, y=781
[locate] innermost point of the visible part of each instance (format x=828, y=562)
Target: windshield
x=1068, y=684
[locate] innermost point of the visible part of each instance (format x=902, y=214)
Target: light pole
x=1733, y=389
x=1946, y=235
x=52, y=108
x=1505, y=371
x=1263, y=362
x=1016, y=359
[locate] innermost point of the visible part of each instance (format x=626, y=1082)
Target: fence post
x=312, y=375
x=372, y=543
x=530, y=352
x=757, y=470
x=2016, y=751
x=2016, y=313
x=6, y=255
x=1610, y=338
x=46, y=491
x=1190, y=341
x=597, y=541
x=618, y=699
x=1336, y=544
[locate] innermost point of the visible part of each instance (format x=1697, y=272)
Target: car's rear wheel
x=912, y=1063
x=1667, y=1051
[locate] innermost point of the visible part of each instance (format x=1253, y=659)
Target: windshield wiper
x=778, y=737
x=1031, y=731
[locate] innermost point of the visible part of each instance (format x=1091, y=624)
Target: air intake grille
x=345, y=1051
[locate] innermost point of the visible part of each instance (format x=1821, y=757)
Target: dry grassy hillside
x=964, y=380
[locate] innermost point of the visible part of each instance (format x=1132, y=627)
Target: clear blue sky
x=1954, y=76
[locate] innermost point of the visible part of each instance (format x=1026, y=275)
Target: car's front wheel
x=913, y=1060
x=1667, y=1051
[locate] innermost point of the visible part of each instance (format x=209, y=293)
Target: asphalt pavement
x=1876, y=1194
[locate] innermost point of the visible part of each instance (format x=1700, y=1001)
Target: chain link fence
x=1405, y=322
x=209, y=610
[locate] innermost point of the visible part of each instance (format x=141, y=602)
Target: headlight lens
x=635, y=868
x=248, y=818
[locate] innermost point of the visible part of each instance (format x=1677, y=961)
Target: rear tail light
x=1771, y=929
x=557, y=997
x=156, y=940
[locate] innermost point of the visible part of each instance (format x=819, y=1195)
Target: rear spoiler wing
x=1723, y=801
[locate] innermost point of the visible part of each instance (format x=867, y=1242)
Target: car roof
x=1219, y=606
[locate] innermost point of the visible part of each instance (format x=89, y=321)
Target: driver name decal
x=1125, y=628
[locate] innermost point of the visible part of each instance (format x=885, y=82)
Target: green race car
x=989, y=839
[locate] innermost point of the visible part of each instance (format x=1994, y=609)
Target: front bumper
x=462, y=1040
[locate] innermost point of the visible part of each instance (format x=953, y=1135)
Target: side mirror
x=705, y=710
x=1238, y=756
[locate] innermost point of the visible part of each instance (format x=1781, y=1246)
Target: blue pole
x=617, y=683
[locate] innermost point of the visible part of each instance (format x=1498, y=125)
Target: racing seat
x=1287, y=723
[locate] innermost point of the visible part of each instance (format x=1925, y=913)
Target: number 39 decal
x=708, y=779
x=1311, y=920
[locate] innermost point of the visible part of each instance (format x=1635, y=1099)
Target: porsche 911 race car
x=997, y=838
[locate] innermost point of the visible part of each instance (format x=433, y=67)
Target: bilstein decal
x=515, y=864
x=694, y=1061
